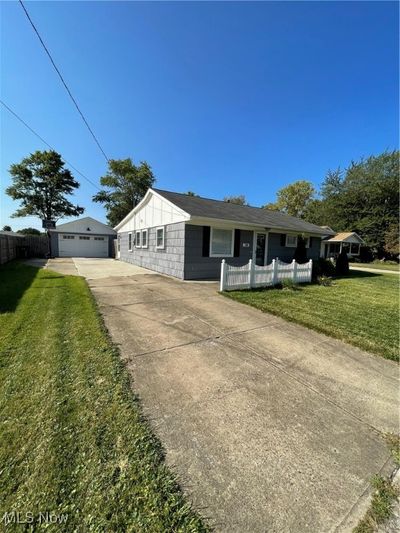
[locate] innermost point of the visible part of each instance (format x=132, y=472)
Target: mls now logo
x=15, y=517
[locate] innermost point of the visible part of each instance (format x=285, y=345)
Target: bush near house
x=342, y=264
x=323, y=267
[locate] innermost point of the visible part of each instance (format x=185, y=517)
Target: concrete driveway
x=90, y=268
x=269, y=426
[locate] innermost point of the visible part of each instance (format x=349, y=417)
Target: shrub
x=366, y=255
x=300, y=254
x=323, y=267
x=326, y=281
x=289, y=285
x=342, y=264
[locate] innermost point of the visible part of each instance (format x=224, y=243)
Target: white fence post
x=223, y=275
x=251, y=273
x=274, y=271
x=294, y=265
x=310, y=273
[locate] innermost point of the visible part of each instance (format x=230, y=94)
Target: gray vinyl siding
x=285, y=253
x=199, y=267
x=169, y=261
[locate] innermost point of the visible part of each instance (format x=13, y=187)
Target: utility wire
x=46, y=143
x=63, y=81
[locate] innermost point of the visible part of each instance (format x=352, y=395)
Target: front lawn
x=362, y=309
x=73, y=440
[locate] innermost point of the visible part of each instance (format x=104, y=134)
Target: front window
x=355, y=249
x=137, y=240
x=144, y=238
x=160, y=238
x=221, y=242
x=291, y=241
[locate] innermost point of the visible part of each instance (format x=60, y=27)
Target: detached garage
x=85, y=237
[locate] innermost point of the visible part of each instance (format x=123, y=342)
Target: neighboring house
x=11, y=234
x=188, y=236
x=348, y=241
x=85, y=237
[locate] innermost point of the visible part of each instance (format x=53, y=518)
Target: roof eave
x=266, y=227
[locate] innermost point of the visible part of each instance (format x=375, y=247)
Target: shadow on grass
x=360, y=274
x=15, y=279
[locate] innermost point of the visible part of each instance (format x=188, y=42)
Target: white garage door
x=82, y=246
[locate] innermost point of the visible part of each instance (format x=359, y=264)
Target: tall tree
x=294, y=198
x=191, y=193
x=7, y=228
x=238, y=200
x=392, y=245
x=41, y=184
x=365, y=199
x=29, y=231
x=126, y=184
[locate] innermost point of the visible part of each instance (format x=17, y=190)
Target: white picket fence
x=251, y=275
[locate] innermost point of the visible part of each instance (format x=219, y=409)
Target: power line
x=47, y=144
x=63, y=81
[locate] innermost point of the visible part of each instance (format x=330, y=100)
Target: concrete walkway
x=375, y=270
x=269, y=426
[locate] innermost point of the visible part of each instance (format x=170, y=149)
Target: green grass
x=361, y=309
x=73, y=439
x=380, y=510
x=385, y=493
x=392, y=266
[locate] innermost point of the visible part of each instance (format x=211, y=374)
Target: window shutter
x=283, y=239
x=206, y=241
x=236, y=246
x=310, y=242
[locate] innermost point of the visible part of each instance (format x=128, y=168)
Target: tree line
x=363, y=197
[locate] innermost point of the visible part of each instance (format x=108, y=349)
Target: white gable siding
x=155, y=211
x=82, y=224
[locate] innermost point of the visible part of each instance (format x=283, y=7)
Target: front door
x=260, y=249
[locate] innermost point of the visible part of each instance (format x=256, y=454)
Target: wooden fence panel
x=18, y=247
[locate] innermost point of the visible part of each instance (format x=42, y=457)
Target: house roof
x=196, y=206
x=346, y=236
x=84, y=225
x=12, y=234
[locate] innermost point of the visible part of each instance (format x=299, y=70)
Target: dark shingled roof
x=197, y=206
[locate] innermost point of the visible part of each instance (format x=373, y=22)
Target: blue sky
x=220, y=98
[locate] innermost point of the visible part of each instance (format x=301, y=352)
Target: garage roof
x=85, y=225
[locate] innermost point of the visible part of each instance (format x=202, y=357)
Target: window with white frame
x=137, y=240
x=130, y=242
x=144, y=238
x=160, y=238
x=291, y=241
x=354, y=248
x=221, y=242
